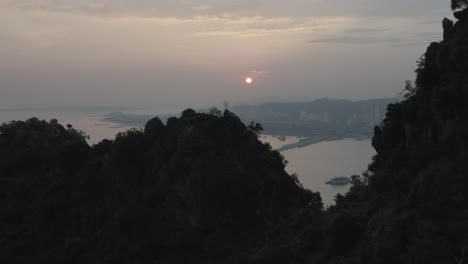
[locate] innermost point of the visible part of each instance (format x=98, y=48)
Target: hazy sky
x=109, y=52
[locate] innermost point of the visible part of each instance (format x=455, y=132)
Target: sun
x=248, y=80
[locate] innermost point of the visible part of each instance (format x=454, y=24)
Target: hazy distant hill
x=319, y=117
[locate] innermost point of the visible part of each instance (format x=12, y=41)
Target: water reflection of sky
x=320, y=162
x=315, y=164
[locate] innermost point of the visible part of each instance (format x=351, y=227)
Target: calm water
x=318, y=163
x=315, y=164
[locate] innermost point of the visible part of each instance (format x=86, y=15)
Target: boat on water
x=339, y=181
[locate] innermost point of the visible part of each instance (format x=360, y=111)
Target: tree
x=189, y=112
x=409, y=91
x=215, y=112
x=459, y=4
x=257, y=128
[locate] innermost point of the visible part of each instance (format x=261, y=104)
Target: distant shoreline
x=318, y=139
x=309, y=136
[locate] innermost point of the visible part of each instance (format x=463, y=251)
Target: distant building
x=322, y=117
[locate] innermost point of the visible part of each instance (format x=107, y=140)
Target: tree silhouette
x=257, y=128
x=215, y=112
x=456, y=4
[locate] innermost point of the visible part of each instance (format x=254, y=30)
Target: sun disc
x=248, y=80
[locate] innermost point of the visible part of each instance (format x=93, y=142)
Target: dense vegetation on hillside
x=412, y=206
x=203, y=189
x=196, y=190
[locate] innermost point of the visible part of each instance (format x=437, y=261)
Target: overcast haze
x=111, y=52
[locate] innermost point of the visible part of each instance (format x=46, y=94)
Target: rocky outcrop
x=447, y=25
x=377, y=140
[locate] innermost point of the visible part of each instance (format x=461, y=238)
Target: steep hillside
x=412, y=207
x=198, y=189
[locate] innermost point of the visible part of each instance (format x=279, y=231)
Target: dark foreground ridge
x=196, y=190
x=203, y=189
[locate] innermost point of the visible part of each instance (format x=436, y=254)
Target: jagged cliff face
x=166, y=193
x=435, y=113
x=416, y=195
x=438, y=103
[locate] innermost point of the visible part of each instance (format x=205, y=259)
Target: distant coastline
x=304, y=142
x=313, y=122
x=314, y=136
